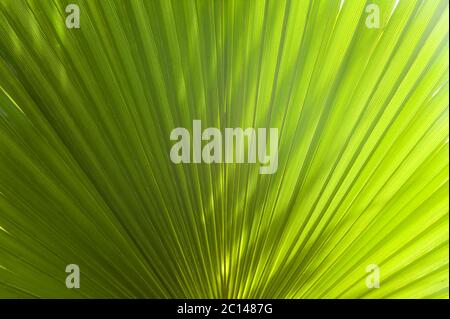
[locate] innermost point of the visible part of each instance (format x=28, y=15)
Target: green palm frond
x=86, y=177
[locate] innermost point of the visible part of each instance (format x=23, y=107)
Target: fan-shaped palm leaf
x=86, y=178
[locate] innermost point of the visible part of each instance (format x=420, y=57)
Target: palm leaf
x=86, y=178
